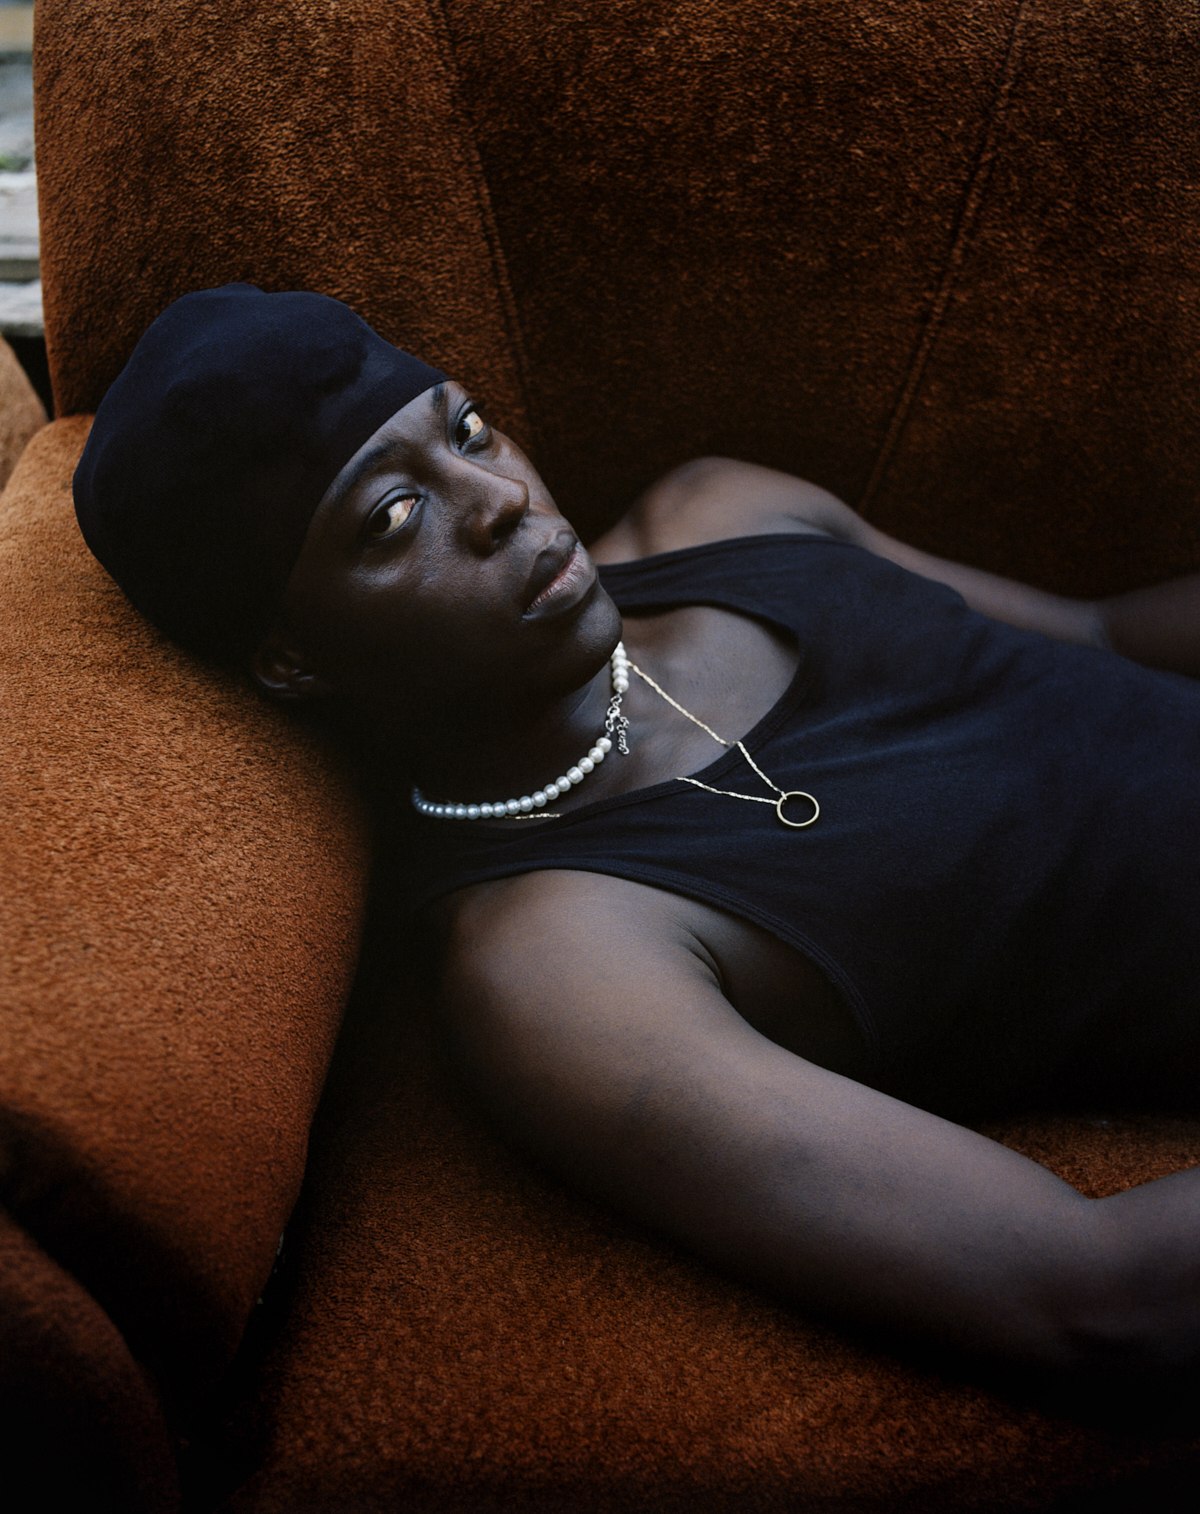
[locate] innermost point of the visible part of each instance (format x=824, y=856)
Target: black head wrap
x=213, y=448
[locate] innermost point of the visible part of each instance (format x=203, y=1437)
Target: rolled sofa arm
x=182, y=881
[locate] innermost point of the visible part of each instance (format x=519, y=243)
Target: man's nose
x=495, y=513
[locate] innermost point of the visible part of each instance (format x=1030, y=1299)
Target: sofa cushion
x=183, y=878
x=940, y=258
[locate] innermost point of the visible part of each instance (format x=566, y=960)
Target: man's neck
x=498, y=750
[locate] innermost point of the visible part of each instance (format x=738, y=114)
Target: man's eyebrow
x=363, y=466
x=379, y=454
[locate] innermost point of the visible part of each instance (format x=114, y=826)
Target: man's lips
x=555, y=570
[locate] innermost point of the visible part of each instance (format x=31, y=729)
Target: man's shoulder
x=553, y=900
x=573, y=919
x=712, y=499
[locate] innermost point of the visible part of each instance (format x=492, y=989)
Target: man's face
x=437, y=567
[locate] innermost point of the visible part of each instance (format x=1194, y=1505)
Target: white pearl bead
x=619, y=664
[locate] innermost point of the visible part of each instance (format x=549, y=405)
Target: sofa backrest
x=927, y=255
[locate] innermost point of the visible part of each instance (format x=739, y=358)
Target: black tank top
x=1004, y=882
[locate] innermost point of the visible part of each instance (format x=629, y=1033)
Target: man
x=742, y=886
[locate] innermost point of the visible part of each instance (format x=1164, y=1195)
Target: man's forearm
x=1016, y=604
x=1159, y=626
x=1147, y=1303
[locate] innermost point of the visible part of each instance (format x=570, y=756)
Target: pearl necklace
x=615, y=724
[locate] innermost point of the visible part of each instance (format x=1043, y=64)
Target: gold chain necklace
x=784, y=794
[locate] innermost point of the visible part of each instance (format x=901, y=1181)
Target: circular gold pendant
x=796, y=825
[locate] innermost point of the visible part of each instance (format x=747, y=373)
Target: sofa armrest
x=80, y=1425
x=184, y=875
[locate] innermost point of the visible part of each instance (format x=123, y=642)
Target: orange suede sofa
x=942, y=258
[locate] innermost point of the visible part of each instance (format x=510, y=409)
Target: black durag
x=213, y=448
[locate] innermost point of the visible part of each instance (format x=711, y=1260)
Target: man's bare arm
x=713, y=498
x=596, y=1032
x=1158, y=626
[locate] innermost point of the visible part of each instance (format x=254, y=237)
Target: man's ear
x=282, y=671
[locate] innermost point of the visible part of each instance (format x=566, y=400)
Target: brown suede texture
x=184, y=874
x=940, y=258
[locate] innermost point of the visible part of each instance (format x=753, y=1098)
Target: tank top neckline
x=762, y=730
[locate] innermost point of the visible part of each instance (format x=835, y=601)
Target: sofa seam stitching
x=977, y=181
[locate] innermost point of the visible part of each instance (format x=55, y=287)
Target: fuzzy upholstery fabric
x=294, y=146
x=21, y=412
x=183, y=878
x=82, y=1428
x=940, y=258
x=456, y=1334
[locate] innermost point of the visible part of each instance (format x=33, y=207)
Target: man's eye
x=391, y=515
x=470, y=424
